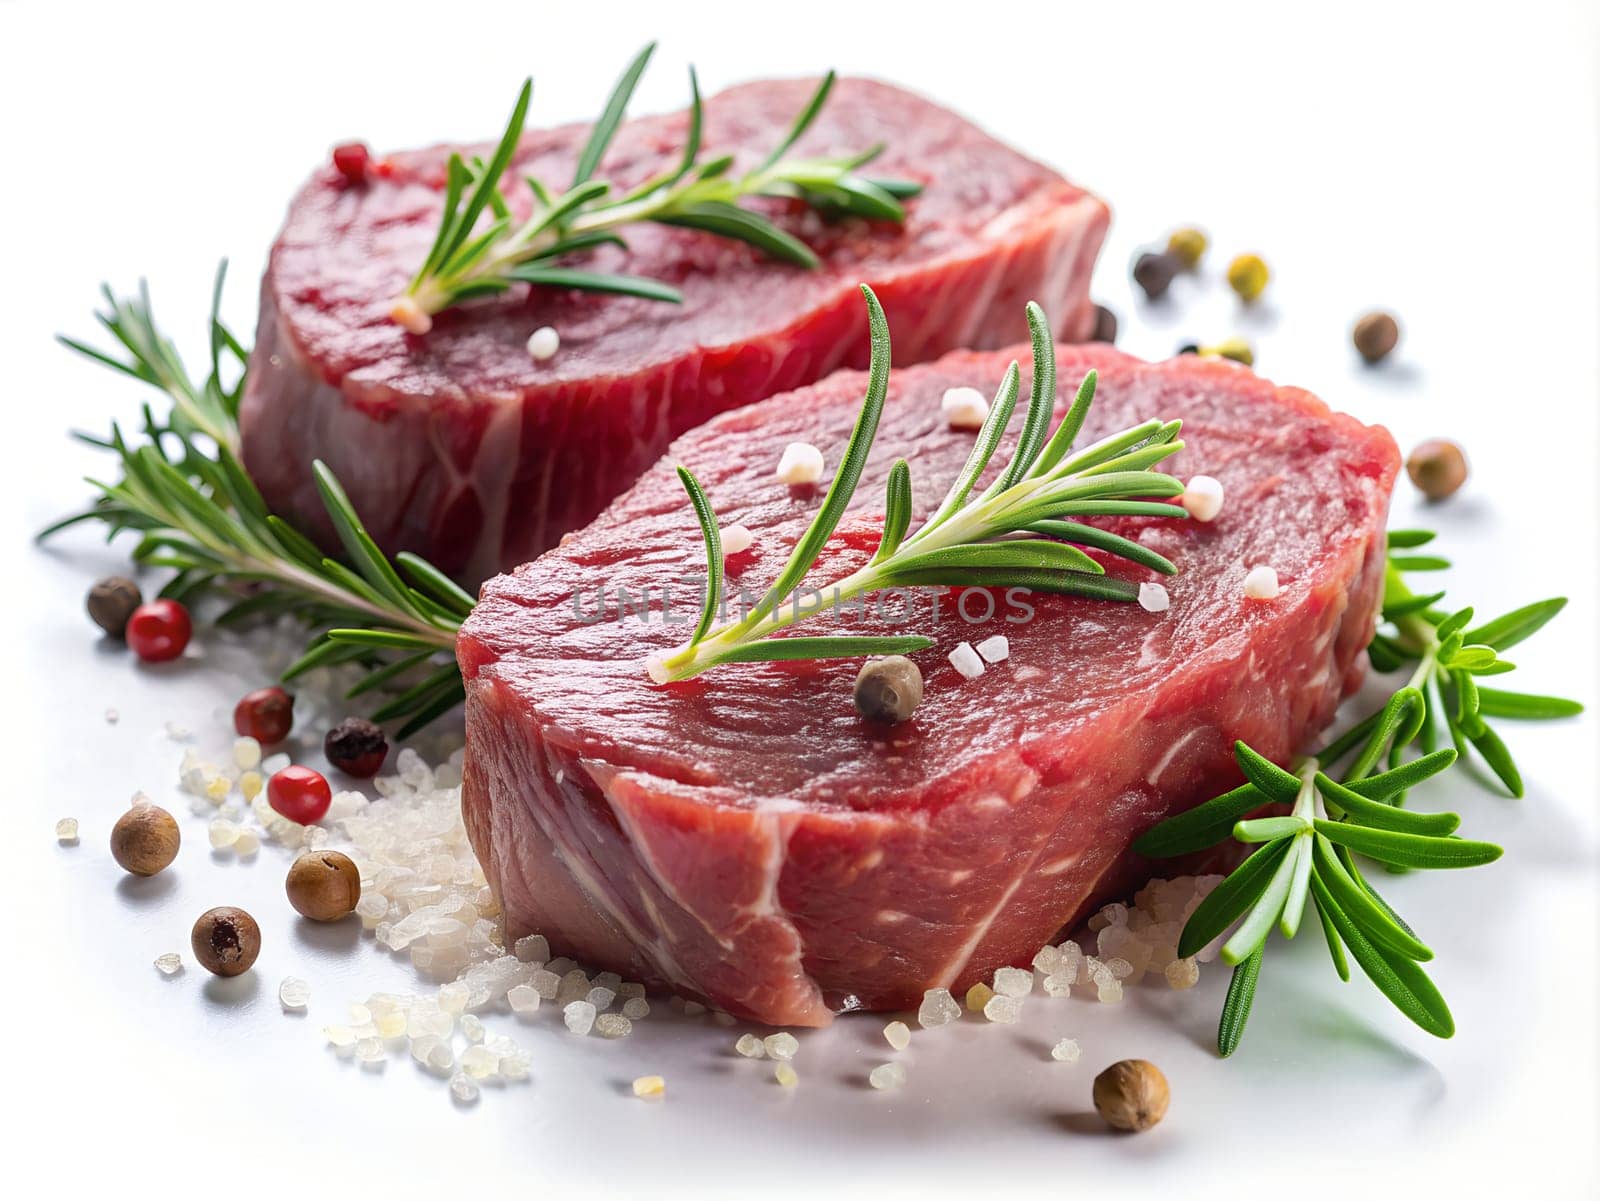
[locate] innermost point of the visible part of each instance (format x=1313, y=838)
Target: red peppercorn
x=265, y=715
x=158, y=630
x=300, y=794
x=351, y=161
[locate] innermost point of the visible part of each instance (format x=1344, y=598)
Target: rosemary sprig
x=1021, y=531
x=1312, y=853
x=465, y=261
x=197, y=511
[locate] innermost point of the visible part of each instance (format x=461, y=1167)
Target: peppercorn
x=299, y=794
x=158, y=630
x=1153, y=273
x=323, y=885
x=1189, y=348
x=350, y=159
x=1188, y=246
x=1437, y=467
x=112, y=601
x=356, y=747
x=1236, y=349
x=1105, y=325
x=1375, y=335
x=1248, y=275
x=145, y=840
x=267, y=715
x=1131, y=1094
x=888, y=690
x=225, y=941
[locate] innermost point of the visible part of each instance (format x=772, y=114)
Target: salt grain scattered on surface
x=781, y=1045
x=964, y=408
x=1202, y=498
x=898, y=1035
x=996, y=649
x=887, y=1076
x=1003, y=1009
x=1066, y=1051
x=785, y=1074
x=978, y=996
x=965, y=660
x=649, y=1086
x=1261, y=583
x=169, y=963
x=800, y=463
x=1013, y=982
x=1153, y=598
x=750, y=1047
x=67, y=831
x=938, y=1008
x=294, y=993
x=579, y=1017
x=736, y=539
x=543, y=343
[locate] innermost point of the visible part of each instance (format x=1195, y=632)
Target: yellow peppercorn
x=1236, y=349
x=1189, y=245
x=1248, y=275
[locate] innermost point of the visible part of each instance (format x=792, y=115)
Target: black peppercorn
x=888, y=690
x=112, y=601
x=1154, y=273
x=1105, y=325
x=356, y=747
x=1189, y=348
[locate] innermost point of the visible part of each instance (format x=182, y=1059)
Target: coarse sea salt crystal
x=370, y=1050
x=978, y=996
x=785, y=1074
x=1153, y=598
x=67, y=830
x=800, y=463
x=897, y=1035
x=735, y=539
x=222, y=833
x=579, y=1017
x=532, y=948
x=1182, y=973
x=523, y=999
x=1066, y=1051
x=629, y=990
x=1003, y=1009
x=472, y=1028
x=996, y=649
x=964, y=408
x=463, y=1087
x=750, y=1047
x=635, y=1008
x=293, y=993
x=247, y=844
x=608, y=980
x=1109, y=991
x=545, y=983
x=601, y=998
x=340, y=1038
x=1202, y=498
x=543, y=343
x=246, y=753
x=612, y=1025
x=479, y=1062
x=453, y=997
x=887, y=1076
x=781, y=1045
x=965, y=660
x=1057, y=986
x=649, y=1086
x=169, y=964
x=693, y=1009
x=1261, y=583
x=1047, y=960
x=1013, y=982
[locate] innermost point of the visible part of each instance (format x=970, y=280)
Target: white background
x=1436, y=159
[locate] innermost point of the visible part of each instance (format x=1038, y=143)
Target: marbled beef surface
x=746, y=838
x=457, y=445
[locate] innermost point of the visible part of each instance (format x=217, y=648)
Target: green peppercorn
x=1375, y=335
x=1236, y=349
x=1105, y=325
x=888, y=690
x=1154, y=272
x=1188, y=245
x=112, y=601
x=1248, y=275
x=1437, y=467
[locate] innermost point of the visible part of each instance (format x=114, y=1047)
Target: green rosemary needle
x=696, y=193
x=1311, y=855
x=1016, y=533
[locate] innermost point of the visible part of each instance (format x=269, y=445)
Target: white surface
x=1438, y=160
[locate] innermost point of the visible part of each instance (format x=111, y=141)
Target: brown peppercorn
x=1105, y=325
x=1437, y=467
x=356, y=747
x=888, y=690
x=1154, y=273
x=1188, y=246
x=1248, y=275
x=225, y=941
x=145, y=840
x=1131, y=1094
x=1375, y=335
x=323, y=885
x=112, y=601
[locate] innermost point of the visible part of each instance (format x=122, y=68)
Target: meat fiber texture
x=459, y=446
x=746, y=838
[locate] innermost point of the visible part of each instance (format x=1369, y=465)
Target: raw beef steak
x=746, y=838
x=459, y=446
